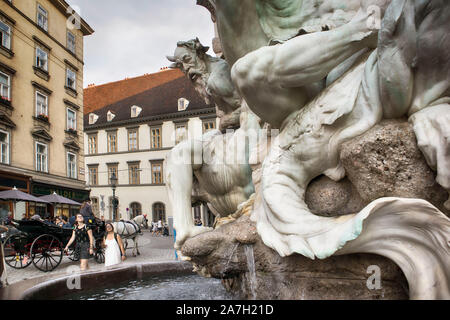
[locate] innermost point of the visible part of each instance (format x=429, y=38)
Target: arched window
x=159, y=212
x=135, y=209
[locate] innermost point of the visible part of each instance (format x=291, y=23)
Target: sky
x=133, y=37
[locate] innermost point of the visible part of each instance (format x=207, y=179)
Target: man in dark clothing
x=72, y=220
x=86, y=211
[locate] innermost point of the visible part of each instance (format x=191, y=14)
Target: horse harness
x=136, y=227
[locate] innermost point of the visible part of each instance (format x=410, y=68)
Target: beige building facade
x=41, y=103
x=132, y=138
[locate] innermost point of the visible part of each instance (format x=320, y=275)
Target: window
x=135, y=111
x=5, y=34
x=110, y=116
x=157, y=177
x=41, y=105
x=182, y=104
x=93, y=118
x=159, y=212
x=113, y=168
x=92, y=144
x=42, y=17
x=209, y=125
x=41, y=59
x=71, y=120
x=93, y=176
x=41, y=157
x=134, y=173
x=71, y=165
x=132, y=139
x=155, y=138
x=71, y=44
x=4, y=147
x=180, y=133
x=71, y=79
x=136, y=209
x=5, y=81
x=112, y=141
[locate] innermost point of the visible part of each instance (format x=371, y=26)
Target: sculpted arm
x=309, y=58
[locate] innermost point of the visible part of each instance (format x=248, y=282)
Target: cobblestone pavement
x=152, y=248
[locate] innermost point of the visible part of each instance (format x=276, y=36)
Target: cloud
x=133, y=37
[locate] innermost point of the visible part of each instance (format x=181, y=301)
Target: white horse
x=131, y=229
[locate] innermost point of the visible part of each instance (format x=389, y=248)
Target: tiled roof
x=97, y=97
x=160, y=101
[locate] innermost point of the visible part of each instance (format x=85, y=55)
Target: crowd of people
x=82, y=235
x=159, y=229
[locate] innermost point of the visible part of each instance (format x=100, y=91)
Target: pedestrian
x=59, y=222
x=86, y=210
x=160, y=227
x=2, y=265
x=72, y=220
x=82, y=234
x=166, y=230
x=113, y=244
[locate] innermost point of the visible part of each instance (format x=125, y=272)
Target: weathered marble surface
x=223, y=254
x=212, y=168
x=327, y=79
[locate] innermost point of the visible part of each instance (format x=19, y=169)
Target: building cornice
x=162, y=117
x=46, y=178
x=7, y=18
x=87, y=156
x=62, y=6
x=7, y=68
x=41, y=87
x=71, y=104
x=42, y=43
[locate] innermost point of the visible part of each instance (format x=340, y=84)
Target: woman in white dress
x=114, y=252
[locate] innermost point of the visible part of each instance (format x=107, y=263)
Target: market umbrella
x=17, y=195
x=56, y=198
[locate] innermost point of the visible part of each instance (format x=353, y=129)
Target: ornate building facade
x=41, y=103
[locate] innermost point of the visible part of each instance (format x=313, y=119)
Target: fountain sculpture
x=340, y=160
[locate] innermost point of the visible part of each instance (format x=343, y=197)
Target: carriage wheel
x=73, y=254
x=47, y=252
x=17, y=255
x=99, y=254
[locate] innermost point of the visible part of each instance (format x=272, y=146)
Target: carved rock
x=386, y=162
x=221, y=254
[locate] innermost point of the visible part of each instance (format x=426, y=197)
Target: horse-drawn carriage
x=42, y=244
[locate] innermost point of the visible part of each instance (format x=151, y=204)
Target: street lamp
x=113, y=181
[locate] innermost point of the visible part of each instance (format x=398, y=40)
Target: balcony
x=72, y=132
x=6, y=102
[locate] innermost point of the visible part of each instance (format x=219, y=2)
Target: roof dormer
x=182, y=104
x=93, y=118
x=135, y=111
x=110, y=116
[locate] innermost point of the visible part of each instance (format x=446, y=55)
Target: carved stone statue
x=213, y=168
x=326, y=73
x=211, y=78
